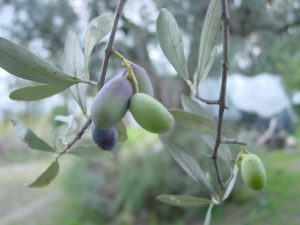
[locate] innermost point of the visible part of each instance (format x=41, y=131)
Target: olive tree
x=217, y=169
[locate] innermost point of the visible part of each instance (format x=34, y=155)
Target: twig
x=109, y=47
x=90, y=82
x=233, y=141
x=100, y=83
x=222, y=99
x=207, y=101
x=75, y=139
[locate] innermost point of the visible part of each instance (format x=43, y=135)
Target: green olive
x=253, y=172
x=150, y=113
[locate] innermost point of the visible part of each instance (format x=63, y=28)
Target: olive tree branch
x=222, y=97
x=100, y=83
x=109, y=47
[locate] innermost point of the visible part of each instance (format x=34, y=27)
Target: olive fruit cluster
x=120, y=95
x=253, y=171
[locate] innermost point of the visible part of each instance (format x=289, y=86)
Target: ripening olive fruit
x=150, y=113
x=253, y=172
x=105, y=138
x=143, y=79
x=111, y=102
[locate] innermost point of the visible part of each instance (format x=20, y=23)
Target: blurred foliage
x=283, y=58
x=56, y=111
x=254, y=25
x=45, y=22
x=123, y=192
x=126, y=190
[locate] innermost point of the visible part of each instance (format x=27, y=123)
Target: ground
x=277, y=204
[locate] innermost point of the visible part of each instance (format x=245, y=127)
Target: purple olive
x=105, y=138
x=111, y=102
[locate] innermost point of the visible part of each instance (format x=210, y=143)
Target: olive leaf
x=193, y=105
x=37, y=92
x=73, y=58
x=95, y=32
x=224, y=150
x=91, y=152
x=170, y=40
x=73, y=63
x=65, y=131
x=210, y=29
x=198, y=123
x=22, y=63
x=231, y=183
x=208, y=214
x=69, y=121
x=187, y=162
x=209, y=63
x=182, y=200
x=30, y=138
x=47, y=176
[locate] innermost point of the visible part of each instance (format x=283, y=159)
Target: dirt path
x=23, y=211
x=17, y=201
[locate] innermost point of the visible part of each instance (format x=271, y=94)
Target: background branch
x=233, y=141
x=108, y=52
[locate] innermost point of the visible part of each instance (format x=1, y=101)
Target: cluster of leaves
x=50, y=80
x=193, y=119
x=74, y=76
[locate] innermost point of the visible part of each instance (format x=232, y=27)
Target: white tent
x=263, y=94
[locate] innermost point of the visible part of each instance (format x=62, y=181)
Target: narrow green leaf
x=198, y=123
x=170, y=41
x=66, y=131
x=187, y=162
x=73, y=63
x=209, y=63
x=73, y=58
x=193, y=106
x=68, y=120
x=209, y=33
x=20, y=62
x=182, y=200
x=231, y=183
x=208, y=214
x=91, y=152
x=122, y=132
x=30, y=138
x=224, y=150
x=47, y=176
x=96, y=31
x=37, y=92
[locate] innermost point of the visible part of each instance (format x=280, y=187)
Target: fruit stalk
x=130, y=74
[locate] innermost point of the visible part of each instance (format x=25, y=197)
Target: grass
x=76, y=194
x=277, y=204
